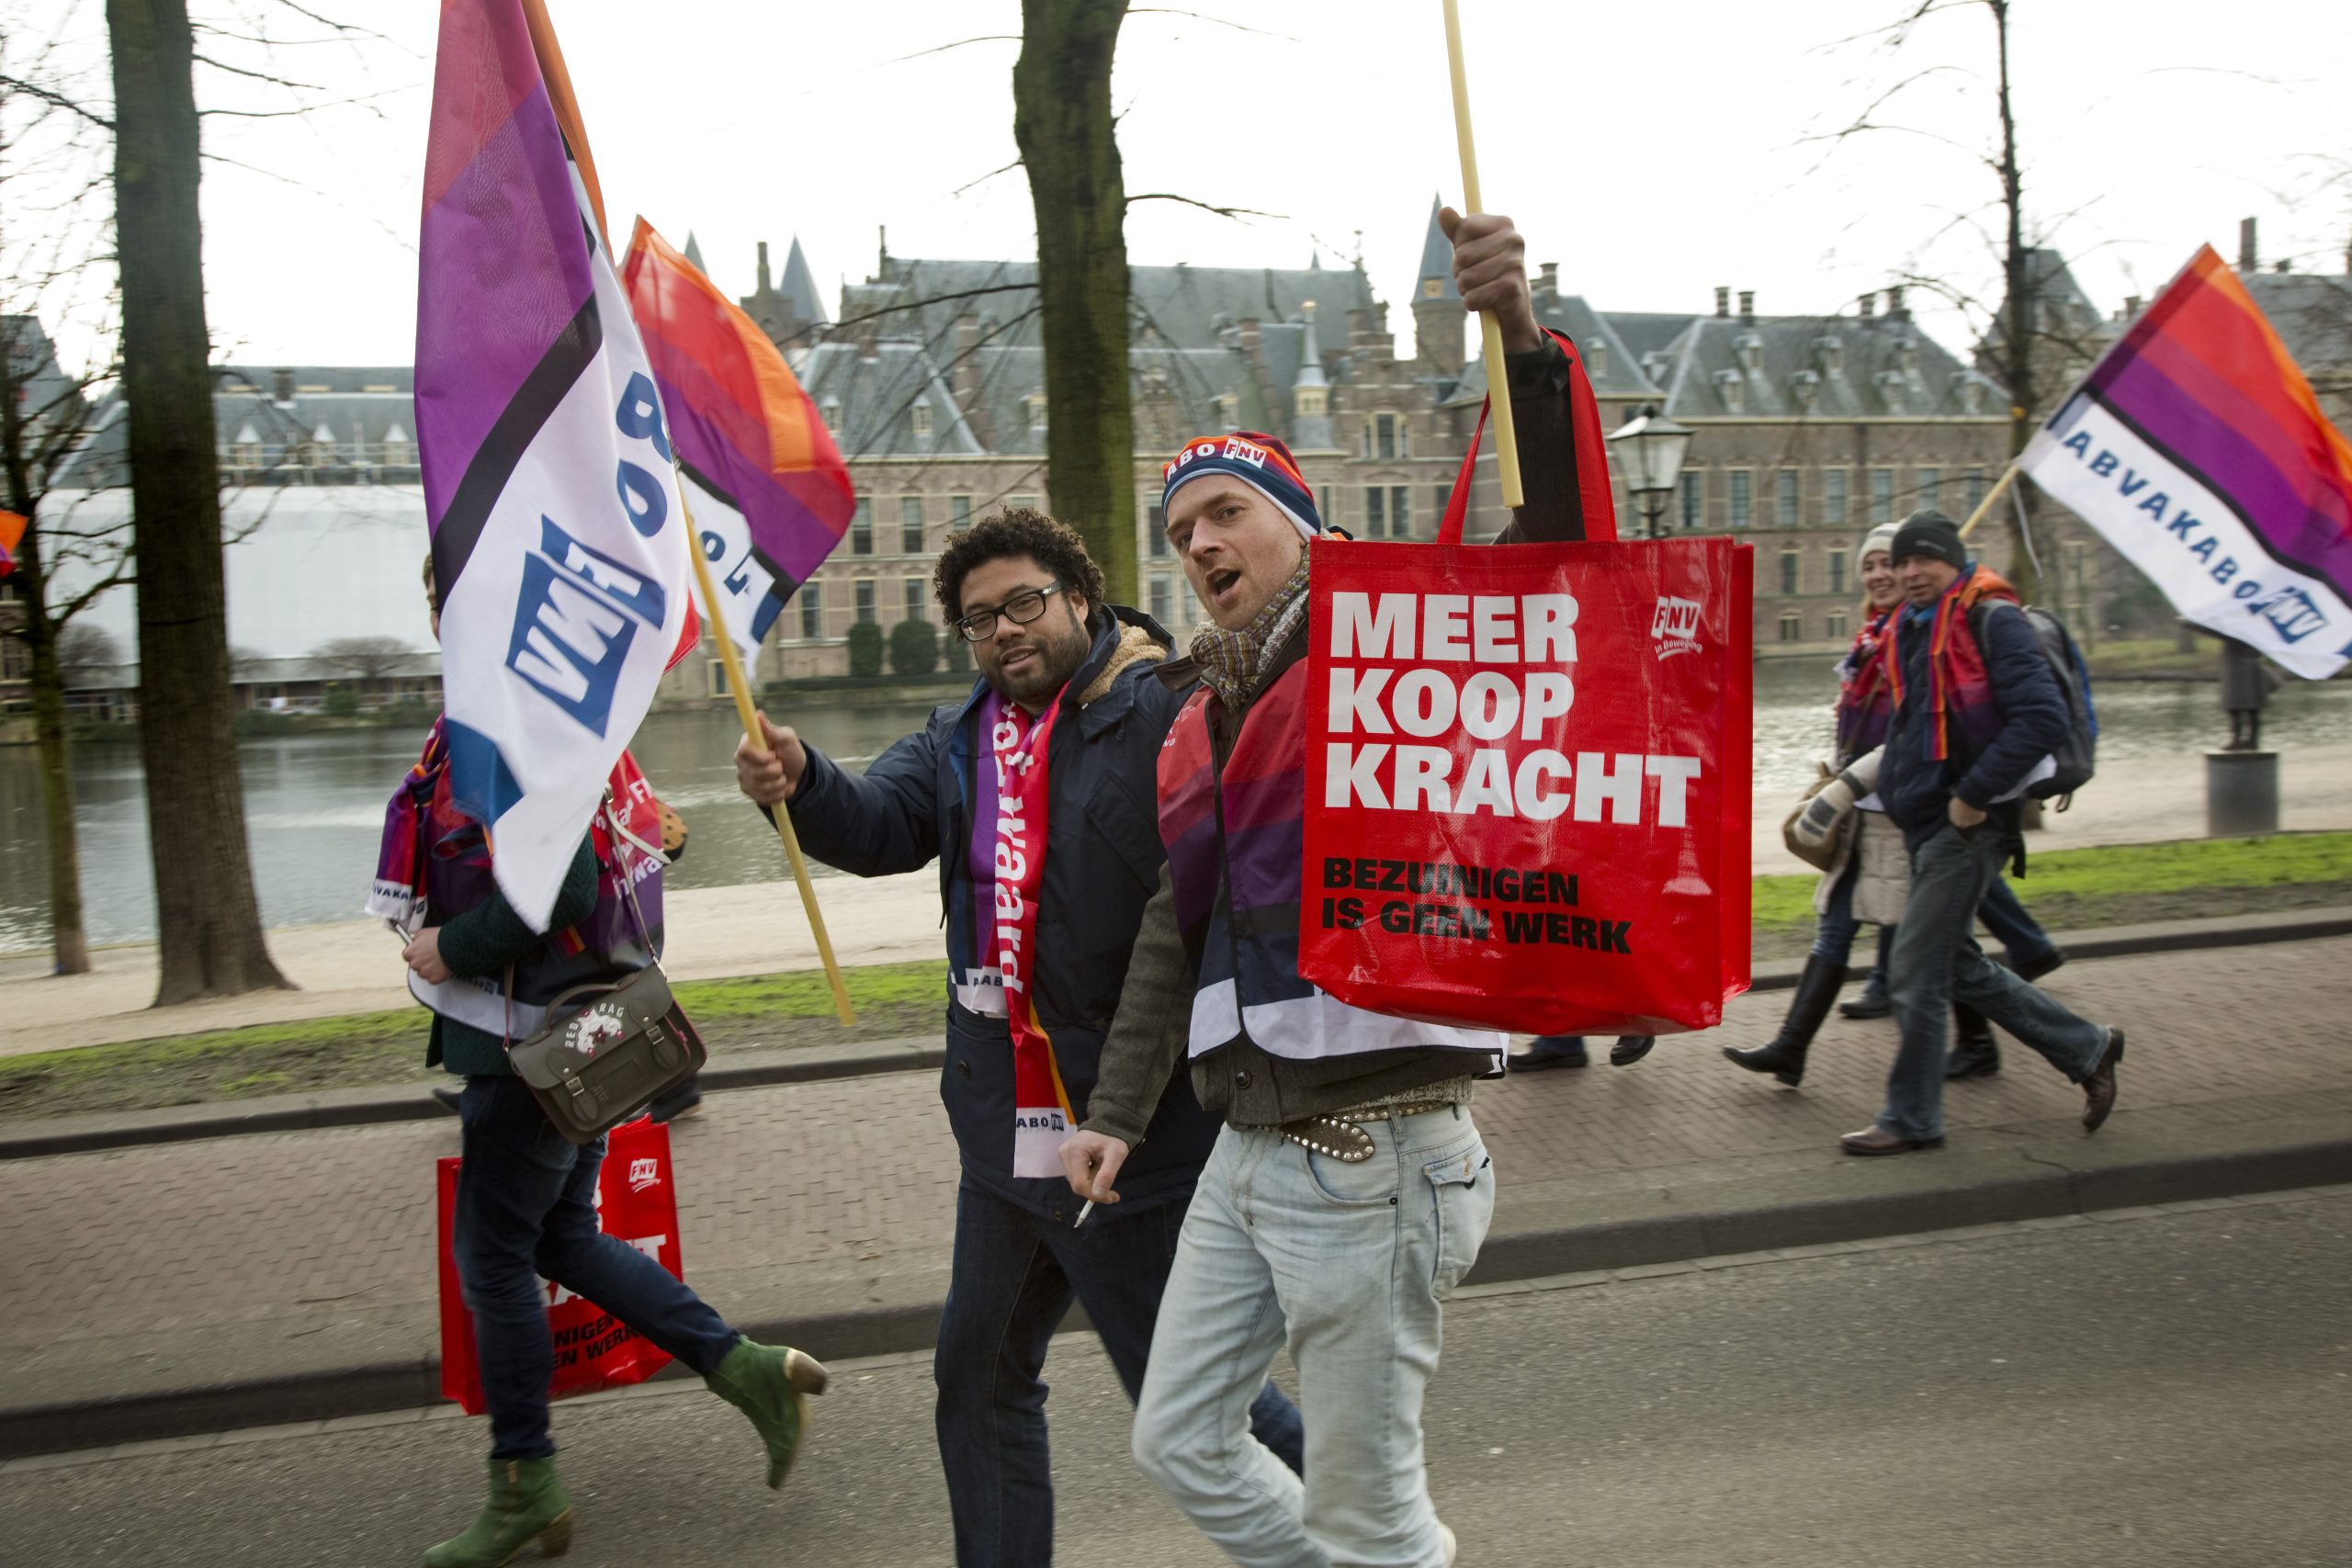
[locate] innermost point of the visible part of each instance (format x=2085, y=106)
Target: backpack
x=2075, y=756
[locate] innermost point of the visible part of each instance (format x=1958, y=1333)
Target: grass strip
x=2067, y=889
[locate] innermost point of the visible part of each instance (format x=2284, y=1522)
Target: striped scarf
x=1955, y=664
x=1233, y=663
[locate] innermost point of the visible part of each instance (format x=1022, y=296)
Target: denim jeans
x=1935, y=960
x=1833, y=933
x=2020, y=934
x=526, y=1215
x=1011, y=1284
x=1350, y=1263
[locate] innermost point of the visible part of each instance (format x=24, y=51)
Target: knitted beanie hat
x=1258, y=460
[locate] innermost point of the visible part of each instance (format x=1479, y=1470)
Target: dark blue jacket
x=1102, y=861
x=1915, y=785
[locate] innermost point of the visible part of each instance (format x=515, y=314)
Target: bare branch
x=202, y=59
x=55, y=100
x=1195, y=16
x=1237, y=213
x=959, y=44
x=993, y=173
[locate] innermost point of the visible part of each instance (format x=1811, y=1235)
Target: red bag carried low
x=1527, y=779
x=636, y=1202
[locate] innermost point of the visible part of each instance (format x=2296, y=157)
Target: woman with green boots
x=526, y=1196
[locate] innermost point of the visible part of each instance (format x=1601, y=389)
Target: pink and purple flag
x=2196, y=447
x=770, y=493
x=558, y=540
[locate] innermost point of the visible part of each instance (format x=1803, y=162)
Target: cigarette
x=1084, y=1210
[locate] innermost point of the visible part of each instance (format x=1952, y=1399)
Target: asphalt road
x=2146, y=1388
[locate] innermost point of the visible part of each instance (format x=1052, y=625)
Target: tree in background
x=208, y=919
x=366, y=659
x=1063, y=123
x=914, y=647
x=864, y=648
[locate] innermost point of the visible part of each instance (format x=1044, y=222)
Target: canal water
x=314, y=803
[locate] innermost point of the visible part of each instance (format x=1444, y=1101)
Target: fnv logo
x=1675, y=627
x=600, y=1025
x=644, y=1173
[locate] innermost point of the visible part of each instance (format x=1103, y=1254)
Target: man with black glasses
x=1037, y=794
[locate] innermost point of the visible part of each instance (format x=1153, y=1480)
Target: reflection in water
x=314, y=803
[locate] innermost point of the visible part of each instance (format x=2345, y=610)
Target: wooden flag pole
x=1489, y=331
x=750, y=715
x=2008, y=477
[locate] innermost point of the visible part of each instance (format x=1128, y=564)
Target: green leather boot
x=771, y=1384
x=527, y=1504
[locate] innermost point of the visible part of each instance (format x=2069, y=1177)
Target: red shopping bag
x=1527, y=781
x=636, y=1202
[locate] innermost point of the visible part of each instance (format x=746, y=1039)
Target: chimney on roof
x=281, y=387
x=1870, y=304
x=1722, y=301
x=2130, y=307
x=1896, y=310
x=765, y=287
x=2249, y=252
x=1548, y=285
x=1747, y=306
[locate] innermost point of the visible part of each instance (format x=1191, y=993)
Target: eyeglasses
x=1021, y=609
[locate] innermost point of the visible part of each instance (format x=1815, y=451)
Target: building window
x=910, y=524
x=1694, y=498
x=2078, y=566
x=922, y=418
x=959, y=512
x=1024, y=503
x=812, y=611
x=1790, y=561
x=861, y=527
x=1035, y=403
x=911, y=597
x=1375, y=513
x=717, y=668
x=832, y=409
x=1441, y=497
x=1163, y=600
x=1930, y=481
x=1836, y=626
x=1432, y=287
x=1836, y=563
x=1155, y=530
x=1791, y=627
x=1976, y=490
x=1400, y=512
x=1833, y=497
x=1742, y=507
x=864, y=588
x=1384, y=436
x=1881, y=496
x=1785, y=498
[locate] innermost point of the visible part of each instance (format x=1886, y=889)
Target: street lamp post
x=1650, y=449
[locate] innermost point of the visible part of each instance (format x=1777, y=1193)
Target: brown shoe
x=2098, y=1090
x=1877, y=1140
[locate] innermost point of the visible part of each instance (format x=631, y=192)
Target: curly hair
x=1016, y=531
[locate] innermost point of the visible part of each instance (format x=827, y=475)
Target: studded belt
x=1343, y=1139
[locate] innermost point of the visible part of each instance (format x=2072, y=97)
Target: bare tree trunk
x=2018, y=344
x=1067, y=135
x=71, y=947
x=207, y=919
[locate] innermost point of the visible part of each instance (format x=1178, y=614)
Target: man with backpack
x=1979, y=720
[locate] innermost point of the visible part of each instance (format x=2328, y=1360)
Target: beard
x=1057, y=658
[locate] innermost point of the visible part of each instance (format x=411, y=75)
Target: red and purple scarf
x=1012, y=822
x=1961, y=686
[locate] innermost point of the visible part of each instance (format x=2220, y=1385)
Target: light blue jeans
x=1348, y=1263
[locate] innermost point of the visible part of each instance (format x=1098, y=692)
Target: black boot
x=1873, y=1002
x=1974, y=1052
x=1784, y=1057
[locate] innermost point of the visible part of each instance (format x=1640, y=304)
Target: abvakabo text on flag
x=558, y=542
x=2197, y=449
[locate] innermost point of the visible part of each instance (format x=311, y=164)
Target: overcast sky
x=1653, y=151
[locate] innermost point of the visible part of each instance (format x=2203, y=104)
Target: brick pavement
x=168, y=1266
